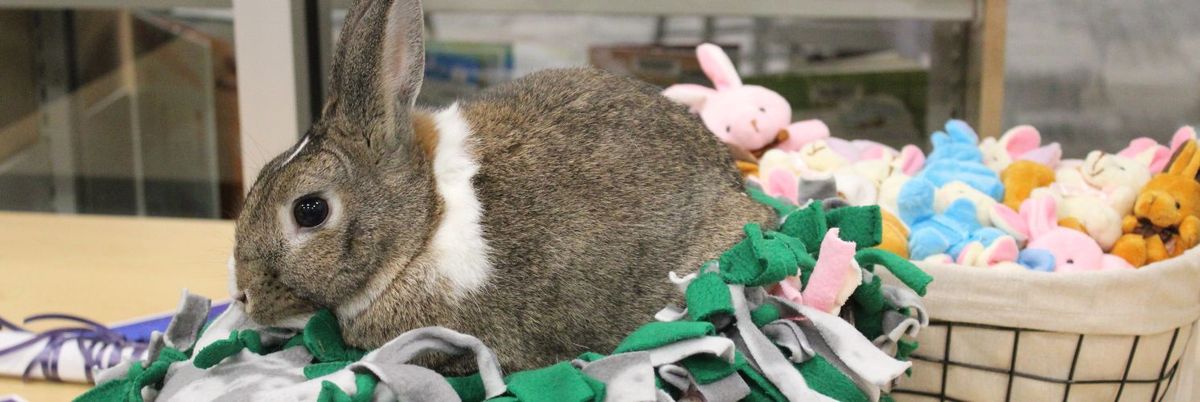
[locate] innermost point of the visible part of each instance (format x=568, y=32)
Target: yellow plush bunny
x=1165, y=220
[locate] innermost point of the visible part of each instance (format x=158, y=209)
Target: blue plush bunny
x=931, y=233
x=955, y=157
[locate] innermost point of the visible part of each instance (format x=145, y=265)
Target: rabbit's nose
x=754, y=123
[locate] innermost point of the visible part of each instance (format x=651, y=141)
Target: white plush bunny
x=1101, y=189
x=1020, y=142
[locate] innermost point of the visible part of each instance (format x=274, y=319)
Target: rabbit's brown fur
x=593, y=187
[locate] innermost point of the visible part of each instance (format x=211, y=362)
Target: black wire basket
x=960, y=361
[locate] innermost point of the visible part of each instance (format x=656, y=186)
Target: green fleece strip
x=868, y=304
x=861, y=225
x=763, y=258
x=905, y=348
x=138, y=377
x=707, y=369
x=807, y=224
x=364, y=383
x=707, y=296
x=658, y=334
x=823, y=377
x=323, y=369
x=323, y=338
x=558, y=383
x=903, y=269
x=781, y=207
x=591, y=356
x=765, y=314
x=215, y=352
x=469, y=388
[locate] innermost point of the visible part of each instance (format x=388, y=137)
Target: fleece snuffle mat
x=764, y=322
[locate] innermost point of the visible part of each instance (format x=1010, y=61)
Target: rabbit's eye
x=310, y=211
x=1070, y=261
x=762, y=109
x=1177, y=206
x=728, y=128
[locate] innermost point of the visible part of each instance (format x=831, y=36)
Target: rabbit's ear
x=961, y=132
x=1147, y=152
x=1010, y=222
x=1042, y=215
x=1187, y=161
x=1181, y=136
x=911, y=159
x=782, y=183
x=691, y=95
x=378, y=68
x=1049, y=155
x=1021, y=139
x=718, y=67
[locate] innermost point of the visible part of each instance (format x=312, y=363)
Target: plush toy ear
x=1049, y=155
x=871, y=151
x=1181, y=136
x=1009, y=221
x=1137, y=146
x=691, y=95
x=911, y=159
x=1186, y=162
x=1021, y=139
x=844, y=148
x=960, y=131
x=1042, y=215
x=1002, y=249
x=803, y=132
x=1158, y=159
x=1147, y=152
x=717, y=66
x=782, y=183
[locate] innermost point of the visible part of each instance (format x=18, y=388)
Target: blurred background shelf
x=952, y=10
x=105, y=121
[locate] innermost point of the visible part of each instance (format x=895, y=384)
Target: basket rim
x=1153, y=299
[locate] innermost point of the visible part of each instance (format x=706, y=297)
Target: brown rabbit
x=541, y=216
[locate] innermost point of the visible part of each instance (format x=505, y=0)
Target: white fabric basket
x=1031, y=336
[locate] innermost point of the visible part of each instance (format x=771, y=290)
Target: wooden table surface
x=109, y=269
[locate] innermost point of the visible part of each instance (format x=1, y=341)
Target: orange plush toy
x=895, y=235
x=1020, y=178
x=1165, y=220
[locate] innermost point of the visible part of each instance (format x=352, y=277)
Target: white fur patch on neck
x=458, y=252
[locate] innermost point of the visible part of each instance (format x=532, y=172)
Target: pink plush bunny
x=833, y=280
x=1019, y=143
x=1148, y=151
x=749, y=117
x=1073, y=250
